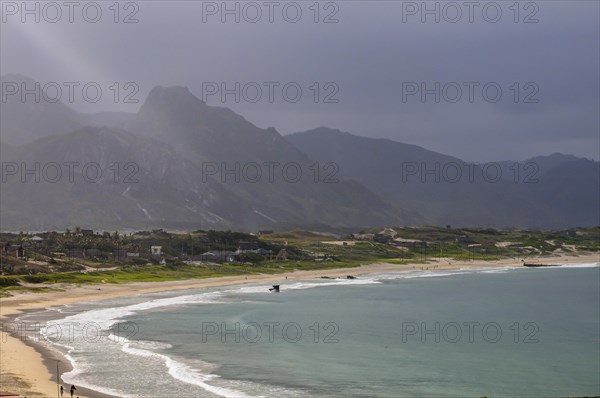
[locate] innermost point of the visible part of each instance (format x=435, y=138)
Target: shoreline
x=29, y=368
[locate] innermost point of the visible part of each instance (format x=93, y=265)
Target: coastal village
x=85, y=251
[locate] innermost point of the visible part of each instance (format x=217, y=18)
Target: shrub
x=137, y=261
x=252, y=258
x=35, y=278
x=4, y=281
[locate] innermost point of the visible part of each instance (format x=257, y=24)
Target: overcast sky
x=368, y=61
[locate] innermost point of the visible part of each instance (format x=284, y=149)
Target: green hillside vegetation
x=48, y=263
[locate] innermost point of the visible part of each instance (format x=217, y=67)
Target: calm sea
x=469, y=333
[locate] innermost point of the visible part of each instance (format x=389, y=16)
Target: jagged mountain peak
x=171, y=96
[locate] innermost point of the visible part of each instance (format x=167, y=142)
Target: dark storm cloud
x=371, y=55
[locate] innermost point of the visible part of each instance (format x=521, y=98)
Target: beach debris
x=537, y=265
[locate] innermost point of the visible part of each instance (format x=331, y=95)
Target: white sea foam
x=305, y=285
x=414, y=274
x=141, y=348
x=435, y=274
x=581, y=265
x=107, y=317
x=502, y=270
x=79, y=368
x=181, y=371
x=334, y=282
x=147, y=345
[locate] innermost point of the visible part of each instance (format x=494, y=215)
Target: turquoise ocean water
x=469, y=333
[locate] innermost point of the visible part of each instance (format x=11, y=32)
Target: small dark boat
x=274, y=289
x=537, y=265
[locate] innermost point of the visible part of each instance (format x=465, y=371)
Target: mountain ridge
x=175, y=137
x=479, y=201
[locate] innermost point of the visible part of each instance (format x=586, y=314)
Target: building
x=219, y=256
x=15, y=251
x=282, y=255
x=409, y=242
x=156, y=250
x=382, y=238
x=245, y=246
x=362, y=236
x=262, y=251
x=463, y=239
x=385, y=235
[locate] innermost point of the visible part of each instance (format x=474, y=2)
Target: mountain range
x=180, y=163
x=542, y=192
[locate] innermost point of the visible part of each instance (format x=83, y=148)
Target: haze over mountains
x=546, y=191
x=179, y=160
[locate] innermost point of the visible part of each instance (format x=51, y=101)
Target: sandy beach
x=30, y=370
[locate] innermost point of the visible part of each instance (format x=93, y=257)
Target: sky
x=484, y=82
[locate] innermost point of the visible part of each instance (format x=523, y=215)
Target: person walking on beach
x=62, y=390
x=73, y=388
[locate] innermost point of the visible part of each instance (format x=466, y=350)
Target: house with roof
x=381, y=238
x=361, y=236
x=15, y=251
x=219, y=256
x=385, y=235
x=246, y=246
x=409, y=242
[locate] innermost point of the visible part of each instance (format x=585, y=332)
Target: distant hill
x=386, y=167
x=176, y=135
x=25, y=121
x=572, y=190
x=169, y=190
